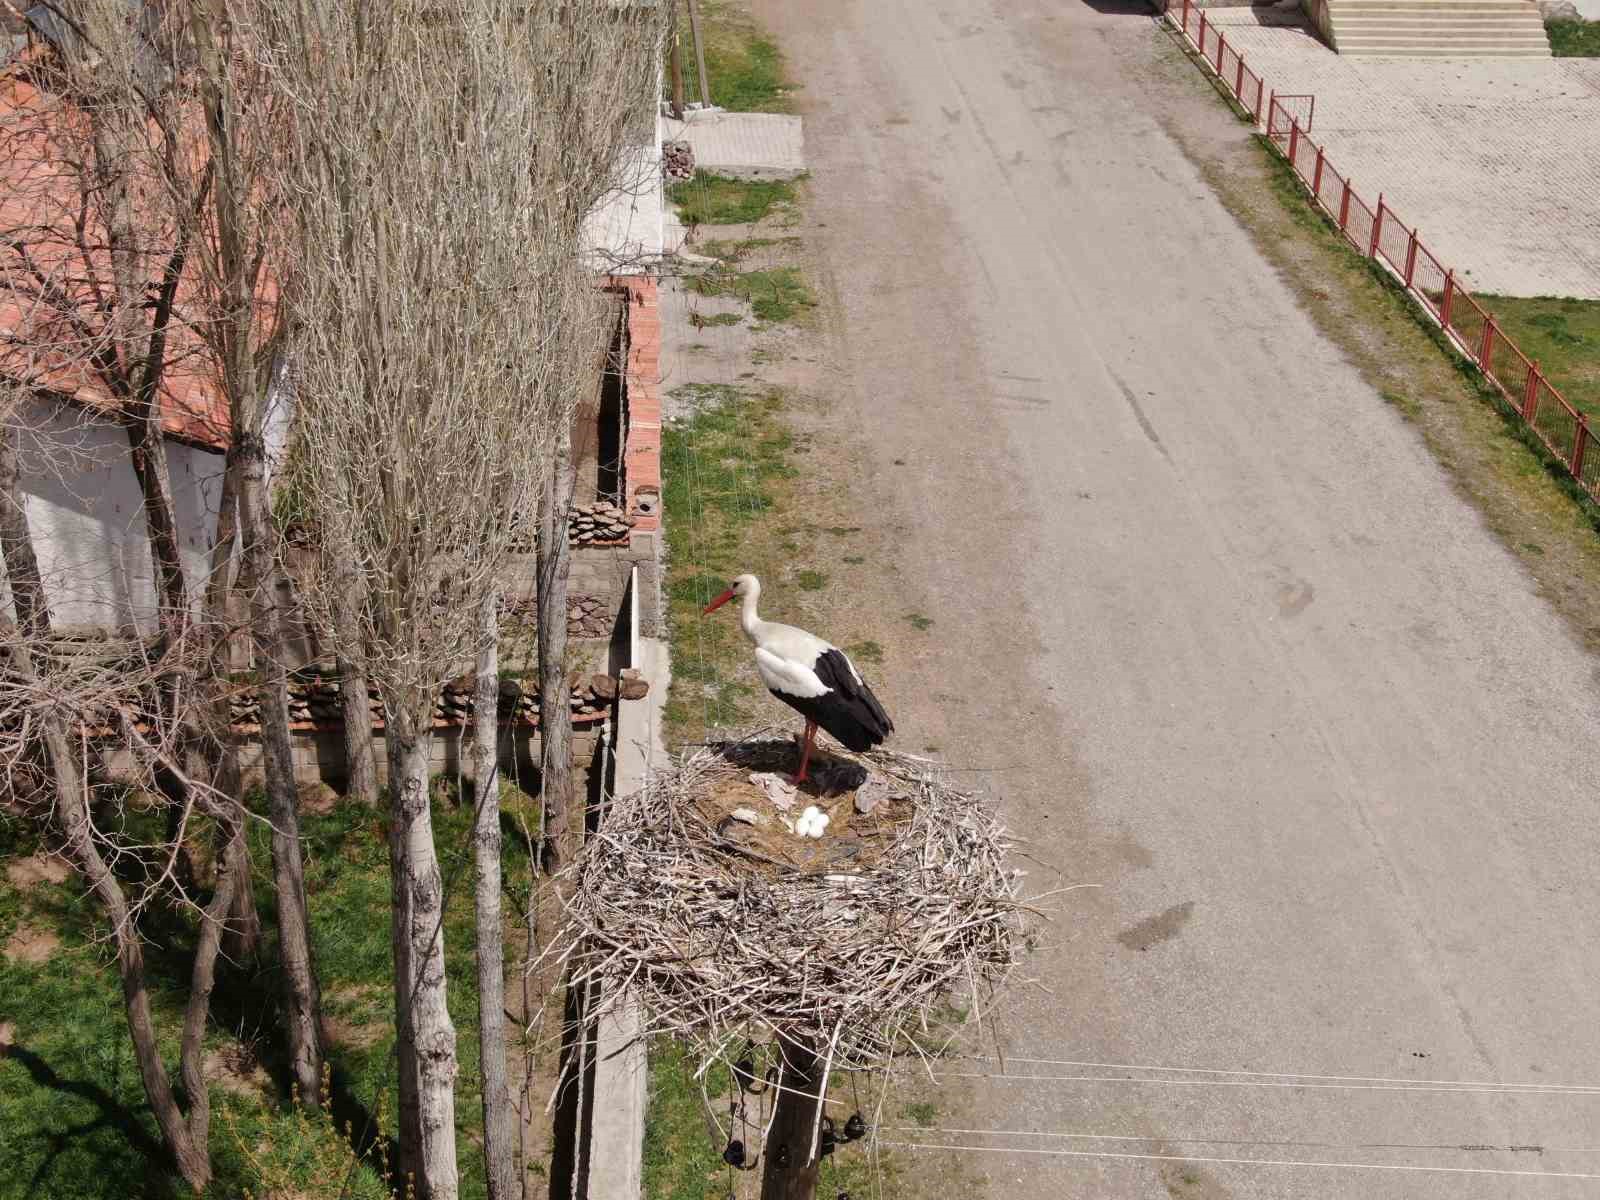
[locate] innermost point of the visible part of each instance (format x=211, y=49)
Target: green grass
x=919, y=622
x=1562, y=336
x=683, y=1159
x=680, y=1161
x=710, y=199
x=745, y=67
x=924, y=1112
x=775, y=294
x=71, y=1104
x=865, y=652
x=724, y=470
x=737, y=250
x=1574, y=39
x=811, y=581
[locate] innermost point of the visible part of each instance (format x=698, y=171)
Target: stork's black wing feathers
x=848, y=709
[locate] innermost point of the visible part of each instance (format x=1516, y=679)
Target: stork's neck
x=748, y=620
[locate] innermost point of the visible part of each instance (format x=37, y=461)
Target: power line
x=1475, y=1090
x=1249, y=1162
x=1580, y=1088
x=1462, y=1147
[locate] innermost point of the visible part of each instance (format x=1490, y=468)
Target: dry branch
x=718, y=941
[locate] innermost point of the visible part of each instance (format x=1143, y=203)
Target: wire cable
x=1476, y=1090
x=1459, y=1147
x=1250, y=1162
x=1580, y=1088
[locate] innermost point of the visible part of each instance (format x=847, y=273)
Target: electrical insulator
x=829, y=1140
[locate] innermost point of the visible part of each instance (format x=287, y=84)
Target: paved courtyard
x=1495, y=161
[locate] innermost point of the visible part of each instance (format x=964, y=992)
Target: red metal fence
x=1382, y=236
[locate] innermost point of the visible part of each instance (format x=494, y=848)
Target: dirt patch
x=1185, y=1181
x=8, y=1037
x=316, y=798
x=1162, y=927
x=35, y=869
x=353, y=1035
x=234, y=1069
x=31, y=945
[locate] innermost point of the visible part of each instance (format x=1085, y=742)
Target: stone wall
x=319, y=755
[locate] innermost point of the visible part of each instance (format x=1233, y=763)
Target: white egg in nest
x=812, y=822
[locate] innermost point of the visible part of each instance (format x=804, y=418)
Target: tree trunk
x=190, y=1155
x=361, y=764
x=360, y=761
x=148, y=448
x=499, y=1139
x=793, y=1123
x=555, y=712
x=16, y=542
x=213, y=923
x=427, y=1039
x=241, y=942
x=302, y=1005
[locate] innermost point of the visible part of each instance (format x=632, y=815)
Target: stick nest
x=721, y=928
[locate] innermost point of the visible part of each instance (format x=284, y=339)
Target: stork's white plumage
x=812, y=676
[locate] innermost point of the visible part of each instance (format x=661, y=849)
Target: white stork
x=809, y=675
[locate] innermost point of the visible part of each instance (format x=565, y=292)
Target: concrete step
x=1440, y=14
x=1438, y=28
x=1530, y=20
x=1407, y=32
x=1412, y=50
x=1440, y=7
x=1417, y=21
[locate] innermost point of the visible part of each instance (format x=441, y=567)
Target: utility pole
x=675, y=66
x=699, y=54
x=790, y=1172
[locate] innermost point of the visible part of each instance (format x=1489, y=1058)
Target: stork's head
x=744, y=585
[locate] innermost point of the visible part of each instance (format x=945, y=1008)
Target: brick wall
x=642, y=454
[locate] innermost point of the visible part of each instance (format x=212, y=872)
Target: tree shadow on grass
x=113, y=1115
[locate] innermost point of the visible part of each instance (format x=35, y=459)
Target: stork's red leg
x=805, y=754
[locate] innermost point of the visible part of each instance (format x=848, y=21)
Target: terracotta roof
x=54, y=291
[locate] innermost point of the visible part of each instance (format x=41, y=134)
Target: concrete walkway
x=742, y=145
x=1495, y=161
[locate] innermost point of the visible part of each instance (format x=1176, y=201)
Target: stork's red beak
x=718, y=602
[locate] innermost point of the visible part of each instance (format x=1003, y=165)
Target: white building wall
x=626, y=233
x=86, y=516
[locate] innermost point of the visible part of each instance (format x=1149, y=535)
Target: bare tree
x=421, y=268
x=236, y=206
x=598, y=90
x=91, y=260
x=137, y=270
x=55, y=707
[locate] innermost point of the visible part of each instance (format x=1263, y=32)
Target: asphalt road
x=1215, y=626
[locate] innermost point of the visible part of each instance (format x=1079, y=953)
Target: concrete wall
x=626, y=231
x=607, y=571
x=86, y=514
x=1321, y=18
